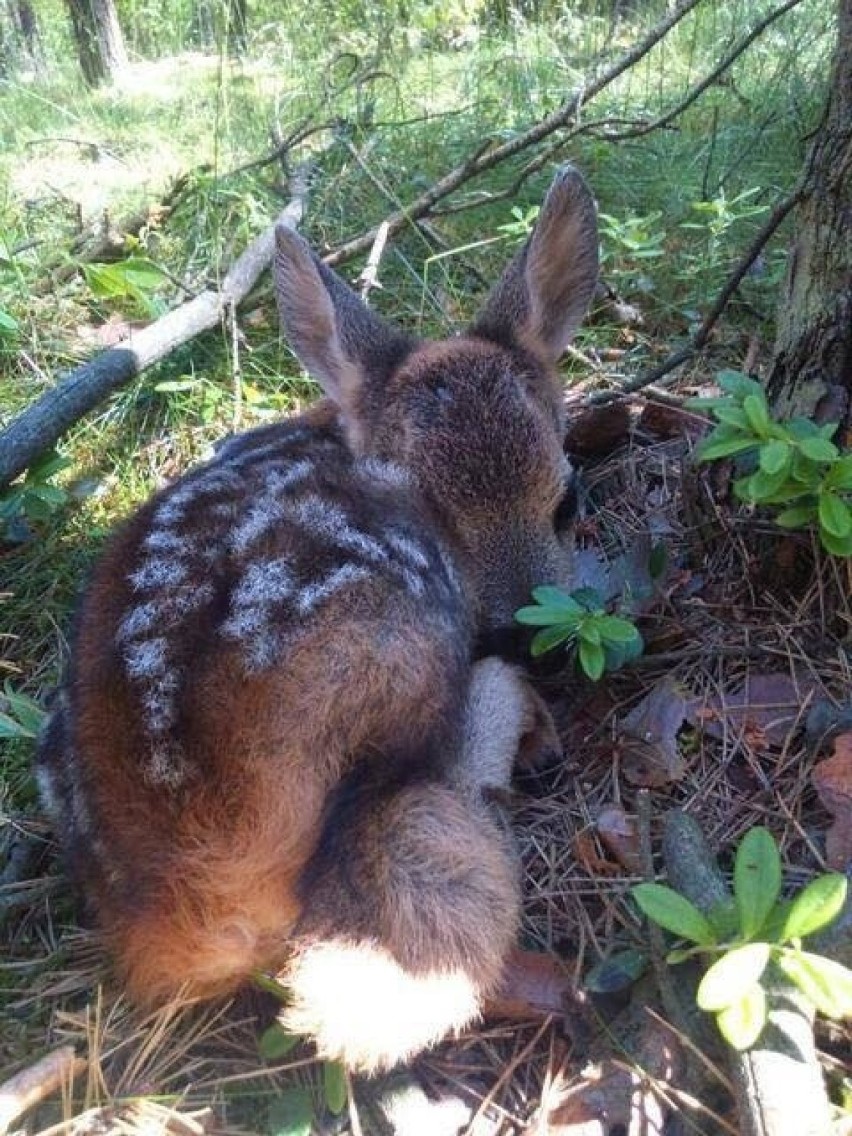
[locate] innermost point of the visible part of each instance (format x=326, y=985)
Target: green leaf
x=618, y=654
x=796, y=517
x=824, y=982
x=737, y=384
x=840, y=474
x=834, y=515
x=8, y=324
x=732, y=976
x=724, y=919
x=757, y=879
x=549, y=637
x=276, y=1042
x=818, y=449
x=544, y=617
x=334, y=1086
x=836, y=545
x=742, y=1022
x=732, y=416
x=618, y=972
x=775, y=456
x=815, y=907
x=590, y=598
x=9, y=728
x=712, y=449
x=671, y=910
x=291, y=1113
x=589, y=631
x=26, y=711
x=592, y=659
x=761, y=487
x=616, y=630
x=757, y=413
x=550, y=596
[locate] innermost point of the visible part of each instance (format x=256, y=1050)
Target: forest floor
x=744, y=684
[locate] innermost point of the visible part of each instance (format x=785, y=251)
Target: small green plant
x=797, y=467
x=20, y=715
x=293, y=1111
x=579, y=619
x=755, y=930
x=32, y=499
x=135, y=279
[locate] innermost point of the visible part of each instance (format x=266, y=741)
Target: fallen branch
x=778, y=1083
x=42, y=424
x=34, y=1084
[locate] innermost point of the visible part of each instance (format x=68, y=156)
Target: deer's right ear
x=544, y=293
x=344, y=345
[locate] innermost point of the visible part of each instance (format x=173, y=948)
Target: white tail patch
x=366, y=1010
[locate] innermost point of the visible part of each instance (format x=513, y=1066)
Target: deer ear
x=543, y=295
x=344, y=345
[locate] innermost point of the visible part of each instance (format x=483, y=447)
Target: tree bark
x=811, y=371
x=97, y=34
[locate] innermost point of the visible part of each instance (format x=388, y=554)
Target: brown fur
x=273, y=742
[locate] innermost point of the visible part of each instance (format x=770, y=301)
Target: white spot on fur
x=158, y=573
x=146, y=659
x=406, y=548
x=162, y=540
x=363, y=1008
x=331, y=524
x=269, y=582
x=386, y=471
x=140, y=620
x=317, y=593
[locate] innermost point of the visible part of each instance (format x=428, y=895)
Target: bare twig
x=712, y=77
x=369, y=278
x=489, y=156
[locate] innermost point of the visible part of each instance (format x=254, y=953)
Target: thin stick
x=369, y=278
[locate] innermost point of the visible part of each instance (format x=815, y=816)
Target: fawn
x=275, y=741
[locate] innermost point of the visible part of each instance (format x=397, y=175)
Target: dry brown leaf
x=589, y=857
x=764, y=710
x=597, y=430
x=650, y=752
x=620, y=833
x=534, y=985
x=666, y=421
x=832, y=779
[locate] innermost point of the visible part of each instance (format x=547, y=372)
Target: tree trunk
x=100, y=44
x=812, y=366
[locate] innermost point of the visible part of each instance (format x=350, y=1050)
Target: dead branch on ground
x=43, y=423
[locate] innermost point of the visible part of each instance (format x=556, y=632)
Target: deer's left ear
x=344, y=345
x=545, y=291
